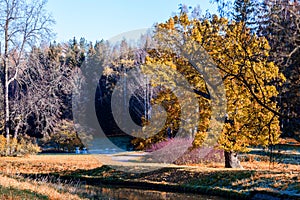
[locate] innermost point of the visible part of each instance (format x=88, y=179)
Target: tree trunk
x=17, y=128
x=6, y=86
x=231, y=160
x=6, y=106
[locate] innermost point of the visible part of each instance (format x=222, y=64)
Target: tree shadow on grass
x=229, y=183
x=169, y=178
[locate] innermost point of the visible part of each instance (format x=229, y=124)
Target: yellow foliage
x=17, y=147
x=248, y=76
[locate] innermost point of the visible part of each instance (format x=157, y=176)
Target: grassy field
x=57, y=177
x=15, y=186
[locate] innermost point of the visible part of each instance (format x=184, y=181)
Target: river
x=114, y=193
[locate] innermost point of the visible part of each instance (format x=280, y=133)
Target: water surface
x=114, y=193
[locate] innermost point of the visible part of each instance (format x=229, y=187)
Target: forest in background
x=255, y=46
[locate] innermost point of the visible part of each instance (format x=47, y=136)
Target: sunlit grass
x=14, y=185
x=12, y=193
x=37, y=176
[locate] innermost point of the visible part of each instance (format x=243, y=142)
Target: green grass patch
x=13, y=193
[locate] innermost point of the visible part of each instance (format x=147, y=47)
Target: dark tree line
x=38, y=79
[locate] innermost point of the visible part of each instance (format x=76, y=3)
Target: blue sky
x=103, y=19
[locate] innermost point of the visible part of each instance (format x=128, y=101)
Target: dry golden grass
x=40, y=188
x=47, y=163
x=267, y=166
x=10, y=167
x=274, y=176
x=289, y=141
x=64, y=163
x=254, y=165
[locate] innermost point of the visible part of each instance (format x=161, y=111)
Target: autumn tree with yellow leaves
x=248, y=76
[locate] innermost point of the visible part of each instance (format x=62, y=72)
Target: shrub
x=192, y=155
x=18, y=147
x=201, y=155
x=63, y=139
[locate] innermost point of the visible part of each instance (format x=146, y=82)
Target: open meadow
x=77, y=176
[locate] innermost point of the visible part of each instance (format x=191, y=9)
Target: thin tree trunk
x=231, y=160
x=16, y=132
x=6, y=106
x=6, y=85
x=6, y=110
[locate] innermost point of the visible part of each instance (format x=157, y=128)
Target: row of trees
x=261, y=89
x=36, y=78
x=22, y=25
x=255, y=49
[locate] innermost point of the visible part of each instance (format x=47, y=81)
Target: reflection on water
x=138, y=194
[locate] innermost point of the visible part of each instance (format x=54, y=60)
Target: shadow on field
x=181, y=179
x=228, y=183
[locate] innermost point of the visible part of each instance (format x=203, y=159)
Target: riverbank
x=229, y=183
x=71, y=176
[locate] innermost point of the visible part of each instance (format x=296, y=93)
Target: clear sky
x=103, y=19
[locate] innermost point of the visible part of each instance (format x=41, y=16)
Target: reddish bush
x=192, y=155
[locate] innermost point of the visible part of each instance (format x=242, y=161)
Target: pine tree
x=244, y=11
x=280, y=25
